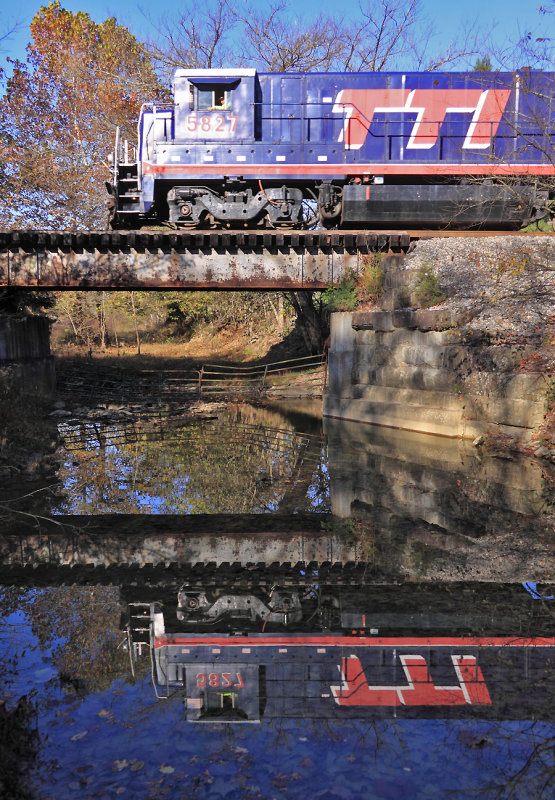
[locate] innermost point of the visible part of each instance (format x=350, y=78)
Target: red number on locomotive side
x=214, y=680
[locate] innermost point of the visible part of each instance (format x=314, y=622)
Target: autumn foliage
x=58, y=117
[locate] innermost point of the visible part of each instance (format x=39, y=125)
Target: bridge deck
x=190, y=260
x=148, y=259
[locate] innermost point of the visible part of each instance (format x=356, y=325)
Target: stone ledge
x=410, y=399
x=372, y=320
x=449, y=356
x=400, y=336
x=527, y=386
x=406, y=377
x=444, y=422
x=418, y=418
x=501, y=411
x=440, y=319
x=423, y=319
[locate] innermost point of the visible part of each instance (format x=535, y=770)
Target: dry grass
x=207, y=346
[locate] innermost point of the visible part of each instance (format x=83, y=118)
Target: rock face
x=480, y=363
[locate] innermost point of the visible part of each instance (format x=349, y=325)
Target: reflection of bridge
x=157, y=539
x=201, y=260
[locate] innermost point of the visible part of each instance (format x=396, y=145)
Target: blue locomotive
x=241, y=149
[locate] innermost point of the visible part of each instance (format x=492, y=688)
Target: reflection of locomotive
x=241, y=149
x=311, y=651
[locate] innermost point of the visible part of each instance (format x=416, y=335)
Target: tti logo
x=419, y=689
x=430, y=106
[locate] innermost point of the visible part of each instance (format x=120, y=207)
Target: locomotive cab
x=217, y=112
x=214, y=105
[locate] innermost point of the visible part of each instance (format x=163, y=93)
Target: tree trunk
x=135, y=323
x=278, y=312
x=102, y=320
x=308, y=320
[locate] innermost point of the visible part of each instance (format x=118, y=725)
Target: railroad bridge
x=187, y=260
x=169, y=259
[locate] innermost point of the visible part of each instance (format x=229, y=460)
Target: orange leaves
x=59, y=114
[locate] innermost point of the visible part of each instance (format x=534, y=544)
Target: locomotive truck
x=242, y=149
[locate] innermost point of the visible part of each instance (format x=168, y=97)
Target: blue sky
x=505, y=20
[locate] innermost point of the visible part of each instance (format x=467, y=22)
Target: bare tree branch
x=384, y=34
x=199, y=39
x=278, y=43
x=8, y=32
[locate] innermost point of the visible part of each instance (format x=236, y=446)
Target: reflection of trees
x=497, y=761
x=536, y=777
x=413, y=758
x=79, y=625
x=517, y=760
x=229, y=464
x=18, y=741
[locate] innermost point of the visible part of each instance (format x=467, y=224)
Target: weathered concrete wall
x=25, y=353
x=404, y=369
x=434, y=507
x=479, y=361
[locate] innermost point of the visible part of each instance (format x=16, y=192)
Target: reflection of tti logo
x=430, y=106
x=420, y=689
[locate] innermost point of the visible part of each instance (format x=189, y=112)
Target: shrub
x=427, y=288
x=342, y=297
x=356, y=288
x=369, y=283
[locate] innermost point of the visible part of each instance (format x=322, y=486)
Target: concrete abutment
x=410, y=369
x=25, y=358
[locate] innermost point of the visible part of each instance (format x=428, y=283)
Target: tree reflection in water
x=102, y=733
x=246, y=460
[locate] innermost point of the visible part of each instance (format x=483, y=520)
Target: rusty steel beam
x=200, y=260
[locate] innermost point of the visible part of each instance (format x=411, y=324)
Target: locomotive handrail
x=116, y=155
x=362, y=117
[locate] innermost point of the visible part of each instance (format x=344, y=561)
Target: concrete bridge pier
x=25, y=358
x=408, y=369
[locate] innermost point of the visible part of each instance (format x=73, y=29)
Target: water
x=445, y=541
x=244, y=460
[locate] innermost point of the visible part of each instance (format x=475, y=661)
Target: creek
x=419, y=559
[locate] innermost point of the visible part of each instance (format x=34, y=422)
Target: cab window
x=213, y=97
